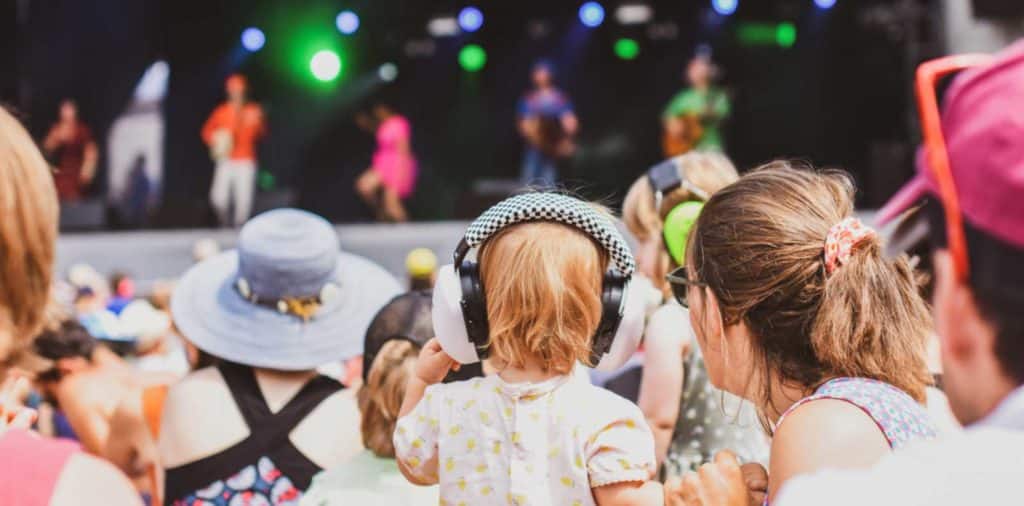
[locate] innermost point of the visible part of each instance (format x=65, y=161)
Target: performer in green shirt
x=694, y=116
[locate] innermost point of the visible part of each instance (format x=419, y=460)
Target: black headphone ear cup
x=612, y=290
x=474, y=306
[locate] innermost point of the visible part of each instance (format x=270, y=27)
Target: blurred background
x=829, y=81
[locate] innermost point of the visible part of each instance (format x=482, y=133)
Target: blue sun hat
x=287, y=298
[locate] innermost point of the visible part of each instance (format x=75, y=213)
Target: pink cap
x=983, y=122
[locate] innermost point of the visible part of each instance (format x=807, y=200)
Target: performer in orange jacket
x=232, y=132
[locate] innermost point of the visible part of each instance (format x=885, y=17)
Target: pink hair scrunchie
x=841, y=239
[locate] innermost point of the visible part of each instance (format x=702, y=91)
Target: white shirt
x=983, y=465
x=543, y=443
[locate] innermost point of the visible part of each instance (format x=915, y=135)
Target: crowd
x=755, y=343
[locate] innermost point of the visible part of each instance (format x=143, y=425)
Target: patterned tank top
x=901, y=419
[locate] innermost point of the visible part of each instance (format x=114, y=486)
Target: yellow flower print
x=515, y=438
x=434, y=423
x=625, y=464
x=400, y=431
x=508, y=412
x=553, y=452
x=579, y=462
x=454, y=431
x=471, y=444
x=449, y=465
x=485, y=418
x=461, y=503
x=461, y=483
x=577, y=502
x=413, y=462
x=497, y=448
x=481, y=468
x=486, y=490
x=630, y=424
x=469, y=404
x=567, y=481
x=417, y=443
x=535, y=416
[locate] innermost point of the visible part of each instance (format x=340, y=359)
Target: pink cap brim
x=907, y=197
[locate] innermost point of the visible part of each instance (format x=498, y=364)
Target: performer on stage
x=71, y=148
x=231, y=132
x=694, y=117
x=392, y=176
x=548, y=124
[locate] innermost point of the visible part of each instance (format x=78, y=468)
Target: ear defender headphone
x=460, y=307
x=664, y=178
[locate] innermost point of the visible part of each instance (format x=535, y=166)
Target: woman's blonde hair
x=708, y=171
x=380, y=398
x=542, y=284
x=28, y=229
x=759, y=247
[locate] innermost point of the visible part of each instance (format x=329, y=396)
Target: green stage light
x=767, y=34
x=325, y=65
x=627, y=49
x=785, y=35
x=472, y=58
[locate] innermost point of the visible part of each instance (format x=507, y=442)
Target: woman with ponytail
x=796, y=309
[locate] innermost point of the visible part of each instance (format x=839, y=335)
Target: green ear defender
x=676, y=231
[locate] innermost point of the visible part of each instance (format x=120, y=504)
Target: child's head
x=542, y=284
x=765, y=306
x=708, y=171
x=380, y=398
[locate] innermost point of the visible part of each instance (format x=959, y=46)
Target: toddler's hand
x=433, y=364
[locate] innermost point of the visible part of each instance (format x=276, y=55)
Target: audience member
x=35, y=471
x=421, y=266
x=85, y=381
x=691, y=419
x=534, y=432
x=796, y=309
x=286, y=301
x=392, y=342
x=979, y=290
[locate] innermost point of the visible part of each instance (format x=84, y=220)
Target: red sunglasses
x=928, y=75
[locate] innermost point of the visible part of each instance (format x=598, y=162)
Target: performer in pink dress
x=392, y=176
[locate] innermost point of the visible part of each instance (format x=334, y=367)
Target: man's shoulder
x=978, y=466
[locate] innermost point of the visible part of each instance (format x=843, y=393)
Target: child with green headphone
x=686, y=414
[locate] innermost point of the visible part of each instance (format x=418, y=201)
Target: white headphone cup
x=449, y=323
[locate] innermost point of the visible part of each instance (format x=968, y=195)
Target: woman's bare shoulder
x=88, y=481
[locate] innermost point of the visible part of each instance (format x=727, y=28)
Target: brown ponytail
x=381, y=397
x=759, y=245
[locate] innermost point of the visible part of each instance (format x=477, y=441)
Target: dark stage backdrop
x=842, y=88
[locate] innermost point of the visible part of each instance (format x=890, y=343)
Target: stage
x=149, y=256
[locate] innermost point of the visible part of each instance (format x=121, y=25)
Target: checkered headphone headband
x=554, y=207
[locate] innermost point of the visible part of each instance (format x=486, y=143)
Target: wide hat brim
x=212, y=315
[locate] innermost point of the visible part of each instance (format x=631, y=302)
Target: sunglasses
x=680, y=282
x=928, y=75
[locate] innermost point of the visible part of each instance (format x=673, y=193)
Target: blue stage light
x=591, y=14
x=471, y=19
x=253, y=39
x=725, y=7
x=825, y=4
x=347, y=22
